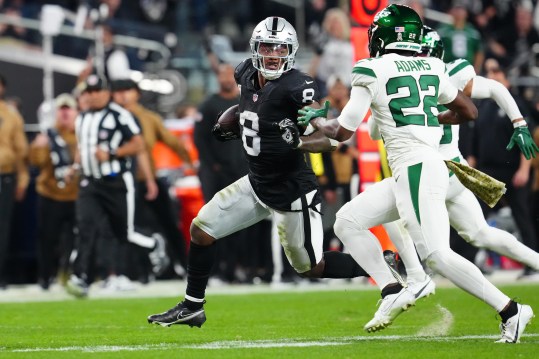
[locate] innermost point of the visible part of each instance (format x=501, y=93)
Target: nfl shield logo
x=255, y=97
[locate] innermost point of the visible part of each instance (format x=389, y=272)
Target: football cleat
x=77, y=287
x=180, y=314
x=390, y=308
x=422, y=289
x=396, y=266
x=513, y=328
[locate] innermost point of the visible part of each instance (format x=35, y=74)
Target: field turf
x=295, y=324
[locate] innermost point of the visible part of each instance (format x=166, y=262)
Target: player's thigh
x=420, y=192
x=374, y=206
x=301, y=235
x=465, y=213
x=233, y=208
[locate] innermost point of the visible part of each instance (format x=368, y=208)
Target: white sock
x=466, y=276
x=365, y=248
x=405, y=246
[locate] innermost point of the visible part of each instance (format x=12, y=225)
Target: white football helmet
x=279, y=35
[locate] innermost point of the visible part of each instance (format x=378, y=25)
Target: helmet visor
x=273, y=50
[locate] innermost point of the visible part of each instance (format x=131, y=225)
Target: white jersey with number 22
x=404, y=92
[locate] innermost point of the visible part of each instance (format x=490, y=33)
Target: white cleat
x=422, y=289
x=390, y=308
x=514, y=327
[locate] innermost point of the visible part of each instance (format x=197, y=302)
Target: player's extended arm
x=343, y=127
x=487, y=88
x=315, y=142
x=461, y=110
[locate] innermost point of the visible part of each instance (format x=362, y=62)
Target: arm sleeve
x=21, y=149
x=129, y=125
x=447, y=91
x=39, y=155
x=355, y=110
x=488, y=88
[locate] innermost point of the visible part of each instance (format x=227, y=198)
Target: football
x=229, y=121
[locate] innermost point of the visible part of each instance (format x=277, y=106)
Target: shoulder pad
x=457, y=65
x=363, y=73
x=242, y=68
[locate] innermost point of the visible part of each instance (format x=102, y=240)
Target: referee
x=108, y=139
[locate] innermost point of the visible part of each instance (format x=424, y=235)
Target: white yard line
x=261, y=344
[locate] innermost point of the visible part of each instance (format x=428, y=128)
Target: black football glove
x=289, y=132
x=222, y=135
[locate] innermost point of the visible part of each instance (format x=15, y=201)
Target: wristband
x=299, y=144
x=113, y=153
x=309, y=130
x=333, y=143
x=521, y=123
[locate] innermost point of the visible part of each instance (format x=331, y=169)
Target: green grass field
x=322, y=324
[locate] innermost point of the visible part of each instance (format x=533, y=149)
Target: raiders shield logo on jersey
x=255, y=97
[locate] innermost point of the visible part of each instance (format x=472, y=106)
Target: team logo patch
x=255, y=97
x=103, y=134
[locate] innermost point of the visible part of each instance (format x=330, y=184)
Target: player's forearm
x=143, y=160
x=131, y=148
x=461, y=109
x=317, y=142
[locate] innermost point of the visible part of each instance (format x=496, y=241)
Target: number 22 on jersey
x=420, y=91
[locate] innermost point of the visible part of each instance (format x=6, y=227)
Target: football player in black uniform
x=280, y=181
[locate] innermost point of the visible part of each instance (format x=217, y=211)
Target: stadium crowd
x=499, y=38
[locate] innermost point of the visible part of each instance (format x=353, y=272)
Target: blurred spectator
x=491, y=134
x=512, y=44
x=461, y=39
x=13, y=31
x=335, y=52
x=126, y=93
x=116, y=62
x=53, y=153
x=14, y=176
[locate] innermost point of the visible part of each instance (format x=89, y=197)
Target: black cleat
x=180, y=314
x=396, y=265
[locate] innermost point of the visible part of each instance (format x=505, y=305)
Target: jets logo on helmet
x=432, y=43
x=274, y=44
x=397, y=27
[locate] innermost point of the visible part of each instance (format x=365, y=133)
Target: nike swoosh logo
x=310, y=82
x=521, y=137
x=182, y=317
x=422, y=289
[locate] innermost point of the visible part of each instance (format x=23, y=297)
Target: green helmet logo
x=432, y=43
x=397, y=27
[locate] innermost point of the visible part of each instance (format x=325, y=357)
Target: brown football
x=230, y=120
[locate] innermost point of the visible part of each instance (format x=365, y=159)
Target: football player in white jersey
x=465, y=213
x=402, y=92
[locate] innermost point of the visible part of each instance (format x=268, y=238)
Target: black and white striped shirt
x=108, y=129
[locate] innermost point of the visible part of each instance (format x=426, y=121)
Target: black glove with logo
x=289, y=132
x=223, y=135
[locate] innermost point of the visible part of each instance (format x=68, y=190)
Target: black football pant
x=164, y=215
x=99, y=200
x=7, y=201
x=56, y=233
